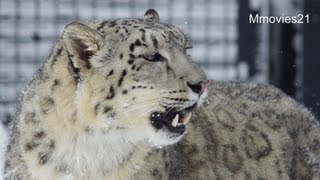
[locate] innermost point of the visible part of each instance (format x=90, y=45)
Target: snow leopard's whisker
x=148, y=106
x=167, y=111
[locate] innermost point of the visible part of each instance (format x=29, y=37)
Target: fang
x=175, y=121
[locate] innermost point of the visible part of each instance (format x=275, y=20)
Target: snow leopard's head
x=142, y=82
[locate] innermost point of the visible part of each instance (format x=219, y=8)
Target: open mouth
x=174, y=120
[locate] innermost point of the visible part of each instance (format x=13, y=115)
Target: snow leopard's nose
x=198, y=87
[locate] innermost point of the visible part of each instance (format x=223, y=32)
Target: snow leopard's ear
x=82, y=42
x=151, y=15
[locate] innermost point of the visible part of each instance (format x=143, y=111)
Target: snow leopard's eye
x=188, y=47
x=154, y=57
x=186, y=50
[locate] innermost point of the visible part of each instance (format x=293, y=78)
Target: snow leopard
x=114, y=100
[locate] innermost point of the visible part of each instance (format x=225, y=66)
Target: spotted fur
x=87, y=114
x=101, y=79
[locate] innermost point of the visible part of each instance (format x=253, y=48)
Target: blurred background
x=224, y=42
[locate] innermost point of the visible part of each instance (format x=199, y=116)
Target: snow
x=3, y=144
